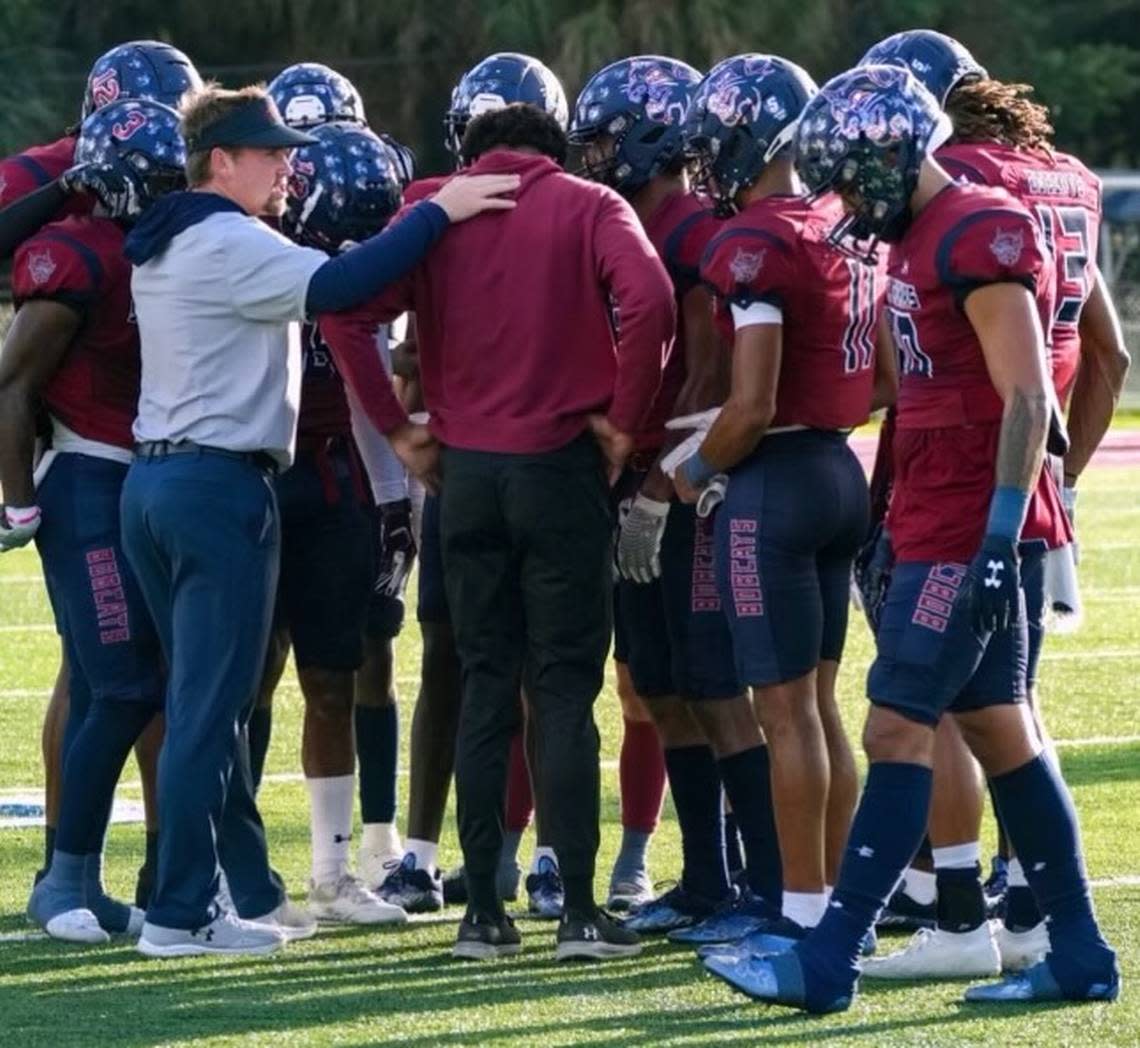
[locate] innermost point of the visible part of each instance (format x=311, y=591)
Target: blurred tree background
x=1083, y=56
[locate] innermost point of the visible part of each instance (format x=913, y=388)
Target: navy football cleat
x=1037, y=984
x=546, y=896
x=730, y=922
x=778, y=979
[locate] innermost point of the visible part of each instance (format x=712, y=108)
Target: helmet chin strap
x=310, y=205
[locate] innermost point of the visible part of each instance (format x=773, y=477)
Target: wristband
x=697, y=471
x=1007, y=512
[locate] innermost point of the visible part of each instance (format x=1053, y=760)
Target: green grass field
x=350, y=987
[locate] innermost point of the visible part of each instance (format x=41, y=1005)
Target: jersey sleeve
x=958, y=168
x=58, y=267
x=752, y=274
x=19, y=176
x=268, y=274
x=992, y=246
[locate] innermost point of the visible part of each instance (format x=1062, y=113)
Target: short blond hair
x=203, y=107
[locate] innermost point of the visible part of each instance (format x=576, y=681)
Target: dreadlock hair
x=991, y=110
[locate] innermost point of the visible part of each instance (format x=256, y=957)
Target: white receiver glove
x=639, y=543
x=18, y=526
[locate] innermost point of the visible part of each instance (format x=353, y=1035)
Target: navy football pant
x=202, y=533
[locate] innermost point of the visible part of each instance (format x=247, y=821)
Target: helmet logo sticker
x=134, y=121
x=105, y=87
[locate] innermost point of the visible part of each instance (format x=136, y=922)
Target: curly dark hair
x=519, y=124
x=991, y=110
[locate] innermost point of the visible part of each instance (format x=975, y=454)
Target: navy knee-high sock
x=260, y=730
x=377, y=740
x=747, y=778
x=888, y=826
x=695, y=786
x=1038, y=815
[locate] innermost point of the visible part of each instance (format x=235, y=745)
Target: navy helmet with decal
x=344, y=188
x=939, y=62
x=309, y=94
x=634, y=111
x=742, y=115
x=139, y=69
x=496, y=82
x=403, y=159
x=141, y=141
x=865, y=136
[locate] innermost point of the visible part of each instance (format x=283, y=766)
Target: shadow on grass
x=1094, y=765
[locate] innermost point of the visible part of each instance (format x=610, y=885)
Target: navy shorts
x=672, y=632
x=794, y=514
x=431, y=598
x=326, y=560
x=1033, y=586
x=112, y=646
x=385, y=616
x=930, y=659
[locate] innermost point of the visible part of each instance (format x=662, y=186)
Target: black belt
x=261, y=460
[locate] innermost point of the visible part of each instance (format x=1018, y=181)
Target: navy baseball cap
x=256, y=124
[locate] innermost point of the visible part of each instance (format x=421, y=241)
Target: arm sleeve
x=351, y=338
x=56, y=266
x=27, y=214
x=386, y=473
x=363, y=271
x=646, y=311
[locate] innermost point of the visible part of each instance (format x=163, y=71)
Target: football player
x=74, y=348
x=416, y=884
x=802, y=318
x=671, y=642
x=142, y=69
x=1002, y=138
x=970, y=294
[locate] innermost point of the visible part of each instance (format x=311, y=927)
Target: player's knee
x=891, y=736
x=328, y=693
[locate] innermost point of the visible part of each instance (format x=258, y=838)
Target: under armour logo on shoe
x=340, y=838
x=993, y=579
x=865, y=852
x=1038, y=867
x=209, y=936
x=590, y=932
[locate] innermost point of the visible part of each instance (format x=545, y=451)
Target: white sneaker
x=226, y=934
x=1021, y=950
x=380, y=853
x=347, y=901
x=936, y=954
x=135, y=922
x=293, y=921
x=79, y=925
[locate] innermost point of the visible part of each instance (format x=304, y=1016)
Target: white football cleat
x=293, y=921
x=347, y=901
x=380, y=853
x=933, y=953
x=1021, y=950
x=79, y=925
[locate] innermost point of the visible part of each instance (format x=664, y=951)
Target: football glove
x=18, y=526
x=994, y=587
x=872, y=570
x=117, y=193
x=639, y=542
x=397, y=552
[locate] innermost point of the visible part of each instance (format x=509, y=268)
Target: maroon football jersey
x=949, y=414
x=324, y=407
x=680, y=228
x=79, y=261
x=35, y=167
x=1065, y=198
x=776, y=252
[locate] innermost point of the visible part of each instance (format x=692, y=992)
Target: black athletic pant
x=527, y=565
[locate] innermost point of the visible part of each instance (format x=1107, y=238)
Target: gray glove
x=18, y=526
x=115, y=191
x=639, y=543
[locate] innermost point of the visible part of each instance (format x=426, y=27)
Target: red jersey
x=1065, y=198
x=324, y=406
x=949, y=414
x=776, y=252
x=79, y=261
x=35, y=167
x=680, y=228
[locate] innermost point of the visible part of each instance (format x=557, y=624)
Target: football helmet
x=309, y=94
x=742, y=115
x=496, y=82
x=139, y=69
x=937, y=61
x=343, y=189
x=403, y=159
x=140, y=141
x=639, y=104
x=865, y=136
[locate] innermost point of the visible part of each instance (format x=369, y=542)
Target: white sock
x=921, y=886
x=424, y=851
x=1015, y=875
x=805, y=908
x=330, y=824
x=958, y=856
x=542, y=852
x=381, y=838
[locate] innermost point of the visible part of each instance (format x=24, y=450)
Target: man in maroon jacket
x=535, y=332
